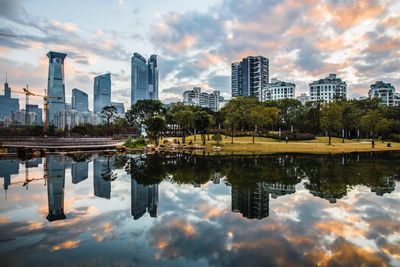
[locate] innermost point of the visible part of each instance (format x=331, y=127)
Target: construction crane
x=45, y=97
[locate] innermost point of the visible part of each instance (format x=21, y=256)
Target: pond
x=196, y=210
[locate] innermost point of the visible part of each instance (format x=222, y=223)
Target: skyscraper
x=102, y=92
x=55, y=85
x=8, y=105
x=55, y=188
x=119, y=106
x=143, y=197
x=250, y=76
x=80, y=100
x=144, y=78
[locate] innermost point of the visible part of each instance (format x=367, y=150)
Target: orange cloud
x=69, y=244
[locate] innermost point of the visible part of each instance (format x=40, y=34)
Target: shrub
x=394, y=137
x=139, y=142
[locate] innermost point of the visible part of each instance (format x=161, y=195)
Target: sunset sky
x=197, y=40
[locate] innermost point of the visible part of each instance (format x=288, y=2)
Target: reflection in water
x=194, y=210
x=55, y=187
x=143, y=197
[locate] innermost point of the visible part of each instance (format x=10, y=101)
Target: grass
x=244, y=145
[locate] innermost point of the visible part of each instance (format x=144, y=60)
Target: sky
x=196, y=42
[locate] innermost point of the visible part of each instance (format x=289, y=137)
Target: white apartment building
x=278, y=90
x=303, y=98
x=202, y=99
x=385, y=91
x=328, y=89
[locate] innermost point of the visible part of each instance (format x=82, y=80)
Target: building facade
x=55, y=85
x=119, y=106
x=198, y=98
x=278, y=90
x=102, y=92
x=328, y=89
x=144, y=78
x=8, y=105
x=303, y=98
x=80, y=100
x=38, y=114
x=250, y=76
x=385, y=91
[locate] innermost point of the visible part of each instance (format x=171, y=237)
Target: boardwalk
x=51, y=143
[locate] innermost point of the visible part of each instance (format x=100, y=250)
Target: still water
x=188, y=210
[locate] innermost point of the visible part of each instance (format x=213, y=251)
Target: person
x=389, y=145
x=190, y=142
x=287, y=139
x=373, y=143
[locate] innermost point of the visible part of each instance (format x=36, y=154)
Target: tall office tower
x=8, y=168
x=235, y=79
x=252, y=203
x=80, y=100
x=55, y=188
x=119, y=106
x=153, y=77
x=144, y=78
x=79, y=171
x=102, y=92
x=250, y=76
x=328, y=89
x=38, y=111
x=385, y=91
x=8, y=105
x=55, y=85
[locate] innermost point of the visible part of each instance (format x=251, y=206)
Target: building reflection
x=55, y=187
x=252, y=203
x=8, y=168
x=102, y=171
x=387, y=187
x=33, y=163
x=79, y=171
x=143, y=197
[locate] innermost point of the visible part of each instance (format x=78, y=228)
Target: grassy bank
x=244, y=145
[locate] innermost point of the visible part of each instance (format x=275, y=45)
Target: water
x=185, y=210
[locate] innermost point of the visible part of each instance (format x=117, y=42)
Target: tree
x=154, y=127
x=369, y=122
x=202, y=121
x=109, y=112
x=184, y=118
x=261, y=116
x=142, y=110
x=351, y=117
x=217, y=138
x=331, y=118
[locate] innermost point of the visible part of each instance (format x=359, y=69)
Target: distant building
x=79, y=171
x=80, y=100
x=56, y=85
x=8, y=105
x=7, y=168
x=328, y=89
x=19, y=117
x=397, y=99
x=197, y=98
x=119, y=106
x=101, y=170
x=39, y=114
x=250, y=76
x=144, y=78
x=385, y=91
x=278, y=90
x=303, y=98
x=102, y=92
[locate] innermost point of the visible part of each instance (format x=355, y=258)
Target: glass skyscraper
x=56, y=85
x=144, y=78
x=8, y=105
x=119, y=106
x=102, y=92
x=80, y=100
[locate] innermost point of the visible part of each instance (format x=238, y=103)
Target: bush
x=291, y=136
x=139, y=142
x=394, y=137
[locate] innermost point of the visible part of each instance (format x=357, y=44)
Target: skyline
x=197, y=42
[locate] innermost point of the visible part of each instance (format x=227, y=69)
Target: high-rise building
x=38, y=111
x=385, y=91
x=278, y=90
x=102, y=92
x=80, y=100
x=119, y=106
x=8, y=168
x=101, y=182
x=79, y=171
x=328, y=89
x=8, y=105
x=197, y=98
x=55, y=85
x=144, y=78
x=153, y=77
x=250, y=76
